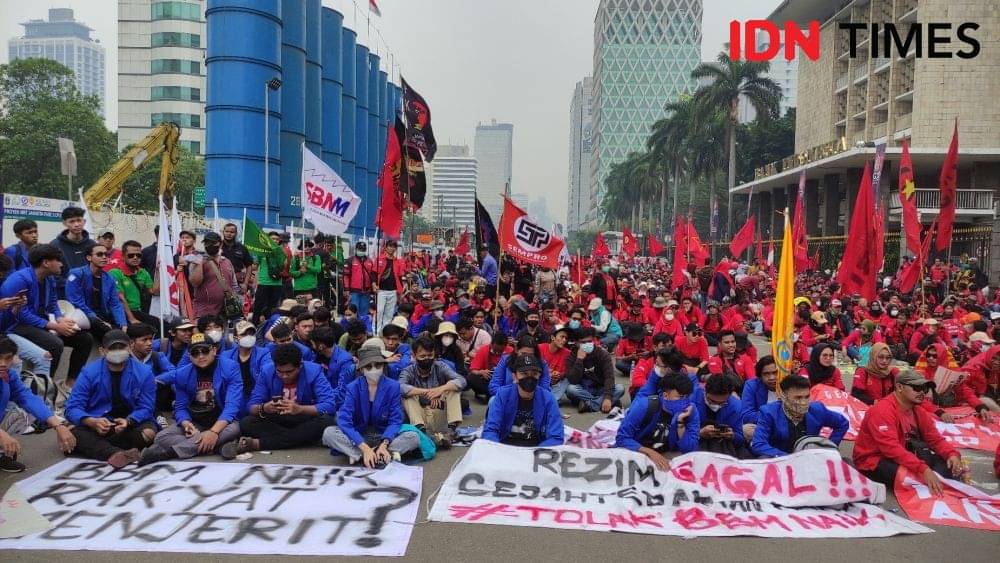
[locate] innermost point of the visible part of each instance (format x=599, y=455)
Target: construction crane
x=162, y=139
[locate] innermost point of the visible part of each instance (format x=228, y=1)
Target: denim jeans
x=33, y=354
x=362, y=300
x=609, y=341
x=578, y=393
x=559, y=389
x=385, y=309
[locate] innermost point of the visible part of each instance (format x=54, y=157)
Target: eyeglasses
x=918, y=388
x=133, y=255
x=198, y=352
x=100, y=254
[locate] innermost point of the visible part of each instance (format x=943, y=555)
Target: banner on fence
x=188, y=507
x=704, y=494
x=962, y=506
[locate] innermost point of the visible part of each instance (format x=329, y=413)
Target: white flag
x=169, y=308
x=175, y=229
x=87, y=223
x=216, y=222
x=327, y=202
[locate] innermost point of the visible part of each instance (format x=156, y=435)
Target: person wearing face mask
x=532, y=322
x=783, y=423
x=721, y=424
x=291, y=405
x=247, y=355
x=210, y=401
x=663, y=421
x=369, y=420
x=359, y=273
x=435, y=311
x=605, y=326
x=305, y=269
x=212, y=278
x=758, y=392
x=214, y=327
x=858, y=344
x=669, y=323
x=431, y=388
x=591, y=375
x=876, y=379
x=647, y=364
x=111, y=405
x=448, y=350
x=503, y=373
x=524, y=413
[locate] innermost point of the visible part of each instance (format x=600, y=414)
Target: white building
x=494, y=147
x=161, y=70
x=68, y=41
x=451, y=194
x=580, y=140
x=784, y=73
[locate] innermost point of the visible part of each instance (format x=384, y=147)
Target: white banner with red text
x=799, y=496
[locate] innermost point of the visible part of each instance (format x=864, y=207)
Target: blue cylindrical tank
x=348, y=112
x=333, y=87
x=383, y=116
x=293, y=107
x=314, y=77
x=244, y=45
x=374, y=164
x=361, y=136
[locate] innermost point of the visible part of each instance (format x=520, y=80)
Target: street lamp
x=272, y=84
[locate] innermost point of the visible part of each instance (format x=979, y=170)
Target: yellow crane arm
x=162, y=139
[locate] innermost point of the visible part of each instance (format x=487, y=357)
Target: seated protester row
x=591, y=375
x=94, y=292
x=982, y=386
x=400, y=354
x=694, y=347
x=782, y=424
x=332, y=358
x=642, y=370
x=503, y=372
x=483, y=364
x=820, y=370
x=555, y=354
x=877, y=379
x=111, y=405
x=719, y=412
x=524, y=413
x=896, y=433
x=758, y=392
x=214, y=327
x=662, y=421
x=631, y=348
x=430, y=389
x=728, y=362
x=175, y=345
x=33, y=357
x=368, y=422
x=210, y=402
x=447, y=350
x=291, y=405
x=250, y=358
x=140, y=336
x=13, y=390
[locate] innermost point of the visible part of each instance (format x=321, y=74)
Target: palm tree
x=730, y=81
x=669, y=140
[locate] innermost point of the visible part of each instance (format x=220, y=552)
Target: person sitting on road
x=662, y=422
x=591, y=375
x=112, y=404
x=140, y=337
x=821, y=369
x=209, y=405
x=94, y=292
x=876, y=379
x=282, y=334
x=896, y=433
x=783, y=423
x=524, y=413
x=719, y=412
x=758, y=392
x=503, y=373
x=13, y=390
x=430, y=389
x=483, y=364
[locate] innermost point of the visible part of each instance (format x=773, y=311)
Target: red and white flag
x=525, y=239
x=373, y=8
x=169, y=306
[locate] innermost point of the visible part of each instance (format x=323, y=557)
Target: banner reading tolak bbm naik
x=812, y=494
x=524, y=239
x=327, y=202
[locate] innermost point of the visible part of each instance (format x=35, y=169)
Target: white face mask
x=439, y=314
x=248, y=341
x=116, y=356
x=587, y=347
x=670, y=316
x=711, y=407
x=447, y=340
x=214, y=335
x=660, y=371
x=372, y=373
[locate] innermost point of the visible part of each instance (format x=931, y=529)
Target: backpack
x=41, y=386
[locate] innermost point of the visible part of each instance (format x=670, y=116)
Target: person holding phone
x=719, y=413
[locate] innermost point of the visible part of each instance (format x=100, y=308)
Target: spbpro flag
x=600, y=247
x=327, y=202
x=629, y=244
x=525, y=239
x=782, y=344
x=394, y=177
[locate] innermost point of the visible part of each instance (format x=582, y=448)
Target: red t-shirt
x=486, y=359
x=697, y=350
x=555, y=360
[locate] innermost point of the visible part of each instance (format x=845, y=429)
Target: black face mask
x=212, y=250
x=425, y=364
x=532, y=324
x=528, y=384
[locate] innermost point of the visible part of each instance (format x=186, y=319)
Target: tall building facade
x=494, y=147
x=784, y=73
x=161, y=70
x=580, y=141
x=644, y=52
x=452, y=178
x=61, y=38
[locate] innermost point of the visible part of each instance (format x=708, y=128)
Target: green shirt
x=132, y=286
x=263, y=275
x=308, y=280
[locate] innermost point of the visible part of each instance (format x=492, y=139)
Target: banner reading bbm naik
x=800, y=496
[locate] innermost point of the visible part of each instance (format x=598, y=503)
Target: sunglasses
x=198, y=352
x=133, y=255
x=100, y=254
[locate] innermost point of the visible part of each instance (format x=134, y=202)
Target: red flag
x=463, y=243
x=655, y=248
x=600, y=247
x=524, y=239
x=913, y=271
x=373, y=8
x=759, y=254
x=744, y=237
x=698, y=251
x=814, y=261
x=680, y=254
x=629, y=245
x=908, y=200
x=858, y=269
x=389, y=216
x=946, y=183
x=799, y=240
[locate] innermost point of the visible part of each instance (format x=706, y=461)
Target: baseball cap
x=913, y=379
x=595, y=304
x=401, y=322
x=286, y=305
x=527, y=362
x=819, y=317
x=980, y=336
x=243, y=326
x=184, y=324
x=836, y=303
x=691, y=327
x=199, y=341
x=113, y=337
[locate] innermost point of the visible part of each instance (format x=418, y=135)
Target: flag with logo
x=524, y=239
x=782, y=344
x=600, y=247
x=908, y=200
x=947, y=184
x=419, y=133
x=629, y=244
x=389, y=216
x=327, y=201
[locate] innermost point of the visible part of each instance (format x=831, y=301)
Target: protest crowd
x=383, y=354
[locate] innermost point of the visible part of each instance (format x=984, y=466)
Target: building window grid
x=175, y=39
x=175, y=11
x=182, y=119
x=175, y=66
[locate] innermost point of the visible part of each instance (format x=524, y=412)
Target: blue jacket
x=91, y=396
x=185, y=358
x=258, y=359
x=754, y=397
x=339, y=358
x=632, y=431
x=358, y=411
x=504, y=375
x=405, y=359
x=546, y=413
x=227, y=383
x=363, y=318
x=307, y=354
x=18, y=254
x=652, y=387
x=14, y=390
x=28, y=315
x=80, y=283
x=729, y=414
x=488, y=269
x=772, y=427
x=313, y=388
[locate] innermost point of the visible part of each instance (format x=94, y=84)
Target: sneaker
x=162, y=421
x=10, y=464
x=155, y=454
x=441, y=441
x=583, y=407
x=615, y=412
x=121, y=458
x=397, y=457
x=232, y=449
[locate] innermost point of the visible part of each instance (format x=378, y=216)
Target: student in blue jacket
x=719, y=414
x=26, y=232
x=524, y=413
x=140, y=337
x=503, y=373
x=12, y=389
x=92, y=290
x=282, y=334
x=784, y=422
x=175, y=347
x=369, y=419
x=329, y=356
x=664, y=422
x=112, y=405
x=400, y=353
x=249, y=358
x=291, y=405
x=208, y=406
x=758, y=392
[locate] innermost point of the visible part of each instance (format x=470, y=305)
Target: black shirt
x=119, y=408
x=95, y=293
x=387, y=281
x=247, y=375
x=238, y=255
x=204, y=408
x=523, y=432
x=795, y=431
x=175, y=354
x=148, y=260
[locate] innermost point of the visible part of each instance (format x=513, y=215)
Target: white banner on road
x=800, y=496
x=218, y=508
x=327, y=202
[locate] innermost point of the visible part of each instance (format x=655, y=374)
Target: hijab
x=872, y=368
x=818, y=373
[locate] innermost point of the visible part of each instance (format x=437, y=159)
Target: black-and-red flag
x=419, y=133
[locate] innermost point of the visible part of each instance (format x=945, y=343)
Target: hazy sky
x=473, y=60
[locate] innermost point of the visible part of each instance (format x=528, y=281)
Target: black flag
x=486, y=232
x=419, y=133
x=417, y=179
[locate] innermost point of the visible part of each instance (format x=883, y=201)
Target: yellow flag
x=783, y=327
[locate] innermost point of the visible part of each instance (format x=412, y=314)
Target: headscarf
x=944, y=358
x=818, y=373
x=982, y=362
x=871, y=368
x=870, y=325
